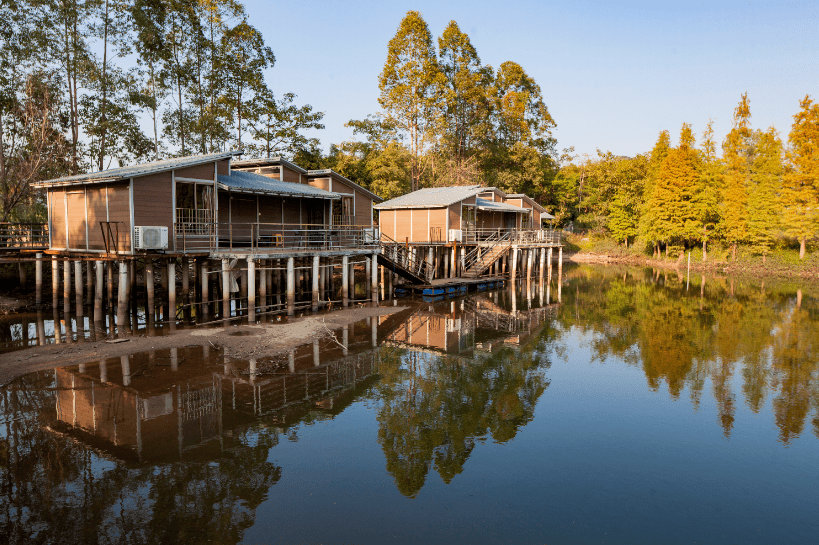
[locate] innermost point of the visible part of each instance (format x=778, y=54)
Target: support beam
x=55, y=281
x=122, y=297
x=149, y=286
x=38, y=280
x=263, y=285
x=204, y=283
x=172, y=290
x=186, y=278
x=99, y=290
x=374, y=278
x=67, y=285
x=225, y=288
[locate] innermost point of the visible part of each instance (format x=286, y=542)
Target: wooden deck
x=451, y=286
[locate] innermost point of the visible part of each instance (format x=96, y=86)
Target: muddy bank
x=241, y=341
x=759, y=269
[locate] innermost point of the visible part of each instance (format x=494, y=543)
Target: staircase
x=482, y=257
x=401, y=260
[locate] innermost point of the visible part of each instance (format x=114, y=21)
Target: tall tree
x=649, y=226
x=706, y=194
x=801, y=183
x=278, y=125
x=737, y=154
x=764, y=191
x=410, y=84
x=149, y=20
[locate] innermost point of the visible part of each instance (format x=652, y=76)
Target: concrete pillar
x=67, y=284
x=514, y=263
x=560, y=274
x=89, y=282
x=367, y=273
x=291, y=287
x=38, y=279
x=323, y=279
x=315, y=281
x=549, y=264
x=172, y=290
x=316, y=354
x=263, y=285
x=163, y=277
x=225, y=288
x=251, y=290
x=55, y=281
x=374, y=331
x=542, y=264
x=453, y=266
x=109, y=266
x=78, y=283
x=530, y=258
x=21, y=269
x=149, y=286
x=345, y=281
x=122, y=296
x=374, y=278
x=204, y=283
x=351, y=277
x=98, y=265
x=186, y=278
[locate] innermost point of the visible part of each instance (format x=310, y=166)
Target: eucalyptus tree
x=278, y=124
x=410, y=86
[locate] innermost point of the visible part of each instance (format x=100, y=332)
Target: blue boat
x=433, y=291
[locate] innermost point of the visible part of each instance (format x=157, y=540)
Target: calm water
x=640, y=409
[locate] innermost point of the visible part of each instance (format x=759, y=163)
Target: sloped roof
x=493, y=206
x=249, y=182
x=432, y=197
x=528, y=198
x=336, y=176
x=125, y=173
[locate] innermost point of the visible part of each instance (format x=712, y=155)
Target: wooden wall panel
x=321, y=183
x=291, y=211
x=420, y=226
x=402, y=225
x=363, y=209
x=97, y=212
x=223, y=167
x=291, y=176
x=75, y=205
x=119, y=209
x=386, y=222
x=153, y=201
x=437, y=218
x=200, y=172
x=270, y=209
x=455, y=216
x=57, y=198
x=341, y=187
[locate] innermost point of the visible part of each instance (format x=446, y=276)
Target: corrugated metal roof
x=124, y=173
x=528, y=198
x=492, y=206
x=432, y=197
x=256, y=183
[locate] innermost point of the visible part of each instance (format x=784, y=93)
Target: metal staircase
x=401, y=260
x=482, y=257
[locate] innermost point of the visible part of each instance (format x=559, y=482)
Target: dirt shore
x=241, y=341
x=711, y=267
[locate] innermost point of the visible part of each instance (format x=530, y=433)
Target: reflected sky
x=645, y=407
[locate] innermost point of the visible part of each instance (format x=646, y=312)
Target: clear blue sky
x=612, y=74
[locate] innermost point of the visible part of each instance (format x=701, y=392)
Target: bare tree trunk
x=803, y=242
x=104, y=108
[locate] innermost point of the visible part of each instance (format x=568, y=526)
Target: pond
x=644, y=407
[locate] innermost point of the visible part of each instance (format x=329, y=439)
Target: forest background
x=78, y=79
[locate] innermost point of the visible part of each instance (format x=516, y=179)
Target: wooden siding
x=75, y=206
x=455, y=216
x=341, y=187
x=199, y=172
x=363, y=209
x=291, y=176
x=402, y=225
x=119, y=209
x=223, y=198
x=243, y=209
x=437, y=218
x=57, y=213
x=270, y=209
x=223, y=167
x=420, y=226
x=97, y=211
x=291, y=211
x=153, y=200
x=386, y=222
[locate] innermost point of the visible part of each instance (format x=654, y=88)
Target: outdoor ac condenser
x=456, y=235
x=150, y=238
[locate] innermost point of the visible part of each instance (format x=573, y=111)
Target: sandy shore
x=256, y=340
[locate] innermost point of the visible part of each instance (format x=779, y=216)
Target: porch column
x=374, y=278
x=291, y=287
x=251, y=290
x=345, y=283
x=315, y=281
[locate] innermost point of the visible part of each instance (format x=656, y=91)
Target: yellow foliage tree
x=800, y=193
x=737, y=153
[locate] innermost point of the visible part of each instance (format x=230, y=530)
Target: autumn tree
x=706, y=194
x=737, y=155
x=649, y=227
x=800, y=214
x=764, y=190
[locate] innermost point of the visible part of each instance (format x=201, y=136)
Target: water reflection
x=685, y=334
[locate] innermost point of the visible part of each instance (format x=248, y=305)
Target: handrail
x=23, y=235
x=402, y=256
x=473, y=258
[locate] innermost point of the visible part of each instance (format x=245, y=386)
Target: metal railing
x=516, y=235
x=407, y=257
x=271, y=237
x=476, y=257
x=23, y=235
x=339, y=219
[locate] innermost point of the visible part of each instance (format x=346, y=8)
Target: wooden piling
x=351, y=277
x=89, y=282
x=549, y=264
x=541, y=268
x=367, y=273
x=78, y=284
x=109, y=267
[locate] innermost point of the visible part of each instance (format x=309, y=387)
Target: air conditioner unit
x=456, y=235
x=150, y=238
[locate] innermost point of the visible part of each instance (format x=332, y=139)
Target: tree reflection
x=434, y=409
x=683, y=335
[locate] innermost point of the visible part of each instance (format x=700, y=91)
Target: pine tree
x=764, y=190
x=706, y=195
x=649, y=227
x=737, y=155
x=801, y=184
